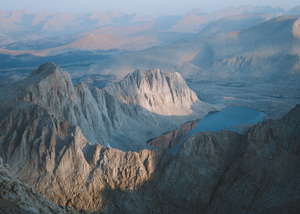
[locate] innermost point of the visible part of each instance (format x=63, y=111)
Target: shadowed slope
x=214, y=172
x=44, y=120
x=142, y=106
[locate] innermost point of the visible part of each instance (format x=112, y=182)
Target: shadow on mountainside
x=222, y=172
x=213, y=172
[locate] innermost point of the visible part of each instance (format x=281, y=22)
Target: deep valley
x=113, y=112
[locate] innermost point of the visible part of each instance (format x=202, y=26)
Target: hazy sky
x=144, y=7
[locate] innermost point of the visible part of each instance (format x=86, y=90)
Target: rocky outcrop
x=18, y=197
x=142, y=106
x=173, y=140
x=265, y=179
x=213, y=172
x=296, y=29
x=49, y=129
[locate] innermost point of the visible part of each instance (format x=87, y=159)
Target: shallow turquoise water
x=228, y=117
x=216, y=121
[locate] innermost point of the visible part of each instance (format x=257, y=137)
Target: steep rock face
x=214, y=172
x=121, y=111
x=52, y=89
x=18, y=197
x=162, y=94
x=154, y=91
x=173, y=140
x=266, y=178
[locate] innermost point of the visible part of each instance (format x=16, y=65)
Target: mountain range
x=20, y=28
x=81, y=53
x=259, y=57
x=43, y=141
x=74, y=133
x=125, y=115
x=262, y=62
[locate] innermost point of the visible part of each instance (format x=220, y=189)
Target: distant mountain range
x=247, y=46
x=20, y=28
x=254, y=63
x=85, y=147
x=252, y=53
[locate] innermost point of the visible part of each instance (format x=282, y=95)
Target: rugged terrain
x=173, y=140
x=79, y=42
x=44, y=142
x=23, y=30
x=85, y=147
x=18, y=197
x=124, y=115
x=257, y=67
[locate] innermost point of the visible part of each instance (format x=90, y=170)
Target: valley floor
x=274, y=100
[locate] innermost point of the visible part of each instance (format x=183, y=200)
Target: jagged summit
x=48, y=67
x=214, y=172
x=157, y=92
x=46, y=74
x=52, y=73
x=141, y=106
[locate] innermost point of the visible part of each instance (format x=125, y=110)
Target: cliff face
x=265, y=179
x=140, y=107
x=173, y=140
x=18, y=197
x=155, y=91
x=154, y=103
x=48, y=130
x=213, y=172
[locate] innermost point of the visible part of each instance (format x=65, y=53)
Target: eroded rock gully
x=143, y=105
x=18, y=197
x=213, y=172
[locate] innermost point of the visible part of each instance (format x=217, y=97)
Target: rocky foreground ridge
x=213, y=172
x=18, y=197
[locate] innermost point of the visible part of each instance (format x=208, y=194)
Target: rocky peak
x=296, y=29
x=49, y=81
x=46, y=68
x=106, y=115
x=214, y=172
x=154, y=91
x=48, y=86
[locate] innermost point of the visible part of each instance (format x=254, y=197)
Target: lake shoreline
x=233, y=118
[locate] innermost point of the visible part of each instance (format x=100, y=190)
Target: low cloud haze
x=154, y=7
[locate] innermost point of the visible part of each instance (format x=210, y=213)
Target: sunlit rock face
x=142, y=106
x=18, y=197
x=213, y=172
x=44, y=138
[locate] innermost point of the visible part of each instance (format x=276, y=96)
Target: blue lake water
x=214, y=121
